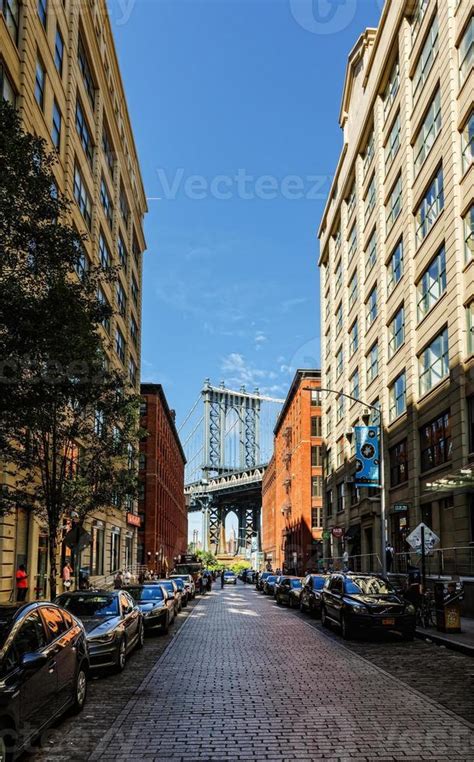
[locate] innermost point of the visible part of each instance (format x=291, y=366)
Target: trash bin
x=448, y=607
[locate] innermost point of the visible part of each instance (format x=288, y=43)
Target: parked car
x=269, y=584
x=113, y=622
x=311, y=592
x=359, y=603
x=44, y=663
x=174, y=593
x=182, y=589
x=287, y=590
x=155, y=604
x=250, y=576
x=261, y=579
x=230, y=578
x=188, y=582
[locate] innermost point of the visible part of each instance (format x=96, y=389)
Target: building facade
x=59, y=67
x=397, y=281
x=292, y=484
x=163, y=533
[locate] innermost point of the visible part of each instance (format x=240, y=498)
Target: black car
x=155, y=604
x=269, y=584
x=311, y=593
x=261, y=580
x=173, y=592
x=285, y=589
x=44, y=663
x=359, y=603
x=182, y=589
x=113, y=622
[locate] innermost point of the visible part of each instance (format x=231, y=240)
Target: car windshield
x=368, y=586
x=152, y=593
x=318, y=583
x=179, y=584
x=295, y=583
x=271, y=578
x=90, y=605
x=168, y=585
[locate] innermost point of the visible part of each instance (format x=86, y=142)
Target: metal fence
x=442, y=562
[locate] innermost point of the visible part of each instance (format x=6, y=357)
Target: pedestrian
x=389, y=557
x=118, y=580
x=66, y=576
x=209, y=583
x=21, y=583
x=127, y=577
x=345, y=560
x=222, y=579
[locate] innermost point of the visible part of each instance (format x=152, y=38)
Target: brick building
x=163, y=532
x=59, y=68
x=292, y=485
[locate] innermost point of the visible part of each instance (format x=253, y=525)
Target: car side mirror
x=33, y=660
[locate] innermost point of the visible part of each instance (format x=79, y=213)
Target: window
x=371, y=254
x=316, y=486
x=59, y=52
x=369, y=154
x=338, y=276
x=433, y=363
x=370, y=199
x=103, y=300
x=114, y=550
x=329, y=502
x=339, y=361
x=56, y=126
x=398, y=456
x=394, y=204
x=134, y=330
x=40, y=81
x=352, y=242
x=84, y=132
x=6, y=88
x=397, y=397
x=82, y=263
x=466, y=51
x=120, y=344
x=328, y=422
x=355, y=389
x=82, y=196
x=340, y=497
x=426, y=60
x=86, y=71
x=132, y=371
x=97, y=552
x=108, y=149
x=136, y=250
x=99, y=423
x=418, y=16
x=31, y=637
x=339, y=319
x=396, y=332
x=315, y=425
x=106, y=202
x=121, y=299
x=395, y=267
x=393, y=143
x=315, y=398
x=340, y=452
x=316, y=459
x=467, y=142
x=337, y=241
x=374, y=418
x=122, y=252
x=55, y=624
x=351, y=200
x=104, y=253
x=371, y=308
x=372, y=363
x=432, y=284
x=392, y=89
x=428, y=132
x=354, y=337
x=470, y=328
x=340, y=404
x=353, y=289
x=430, y=207
x=469, y=234
x=316, y=517
x=124, y=208
x=11, y=13
x=43, y=11
x=470, y=421
x=435, y=442
x=134, y=290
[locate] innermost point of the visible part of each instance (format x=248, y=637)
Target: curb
x=441, y=640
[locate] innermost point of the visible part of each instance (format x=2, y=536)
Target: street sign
x=415, y=539
x=326, y=534
x=400, y=507
x=77, y=538
x=337, y=532
x=367, y=456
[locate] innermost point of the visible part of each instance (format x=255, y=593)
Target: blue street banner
x=367, y=456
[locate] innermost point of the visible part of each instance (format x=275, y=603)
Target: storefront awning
x=353, y=532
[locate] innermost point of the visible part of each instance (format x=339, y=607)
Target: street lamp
x=338, y=394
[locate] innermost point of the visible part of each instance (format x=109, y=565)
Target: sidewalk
x=461, y=641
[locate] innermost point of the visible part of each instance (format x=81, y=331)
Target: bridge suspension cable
x=190, y=413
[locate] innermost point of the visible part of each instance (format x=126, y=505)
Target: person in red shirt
x=21, y=583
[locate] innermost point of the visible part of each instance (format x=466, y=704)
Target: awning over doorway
x=353, y=532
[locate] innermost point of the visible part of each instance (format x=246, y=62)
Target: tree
x=68, y=419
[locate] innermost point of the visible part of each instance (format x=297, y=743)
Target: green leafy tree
x=68, y=420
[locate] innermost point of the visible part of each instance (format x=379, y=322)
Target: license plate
x=388, y=621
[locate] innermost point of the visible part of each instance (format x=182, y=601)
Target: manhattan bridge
x=228, y=440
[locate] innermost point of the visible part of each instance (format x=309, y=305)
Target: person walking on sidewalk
x=222, y=579
x=21, y=583
x=66, y=576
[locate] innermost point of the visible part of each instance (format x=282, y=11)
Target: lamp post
x=383, y=539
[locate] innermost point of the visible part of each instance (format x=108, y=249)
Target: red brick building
x=292, y=484
x=163, y=532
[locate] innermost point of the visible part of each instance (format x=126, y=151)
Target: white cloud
x=240, y=372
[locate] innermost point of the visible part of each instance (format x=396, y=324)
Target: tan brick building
x=397, y=278
x=58, y=65
x=292, y=484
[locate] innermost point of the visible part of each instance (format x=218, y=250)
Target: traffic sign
x=415, y=539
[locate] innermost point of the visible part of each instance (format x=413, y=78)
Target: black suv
x=359, y=603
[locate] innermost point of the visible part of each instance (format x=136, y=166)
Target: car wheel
x=80, y=691
x=141, y=636
x=346, y=628
x=121, y=655
x=324, y=618
x=165, y=627
x=7, y=742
